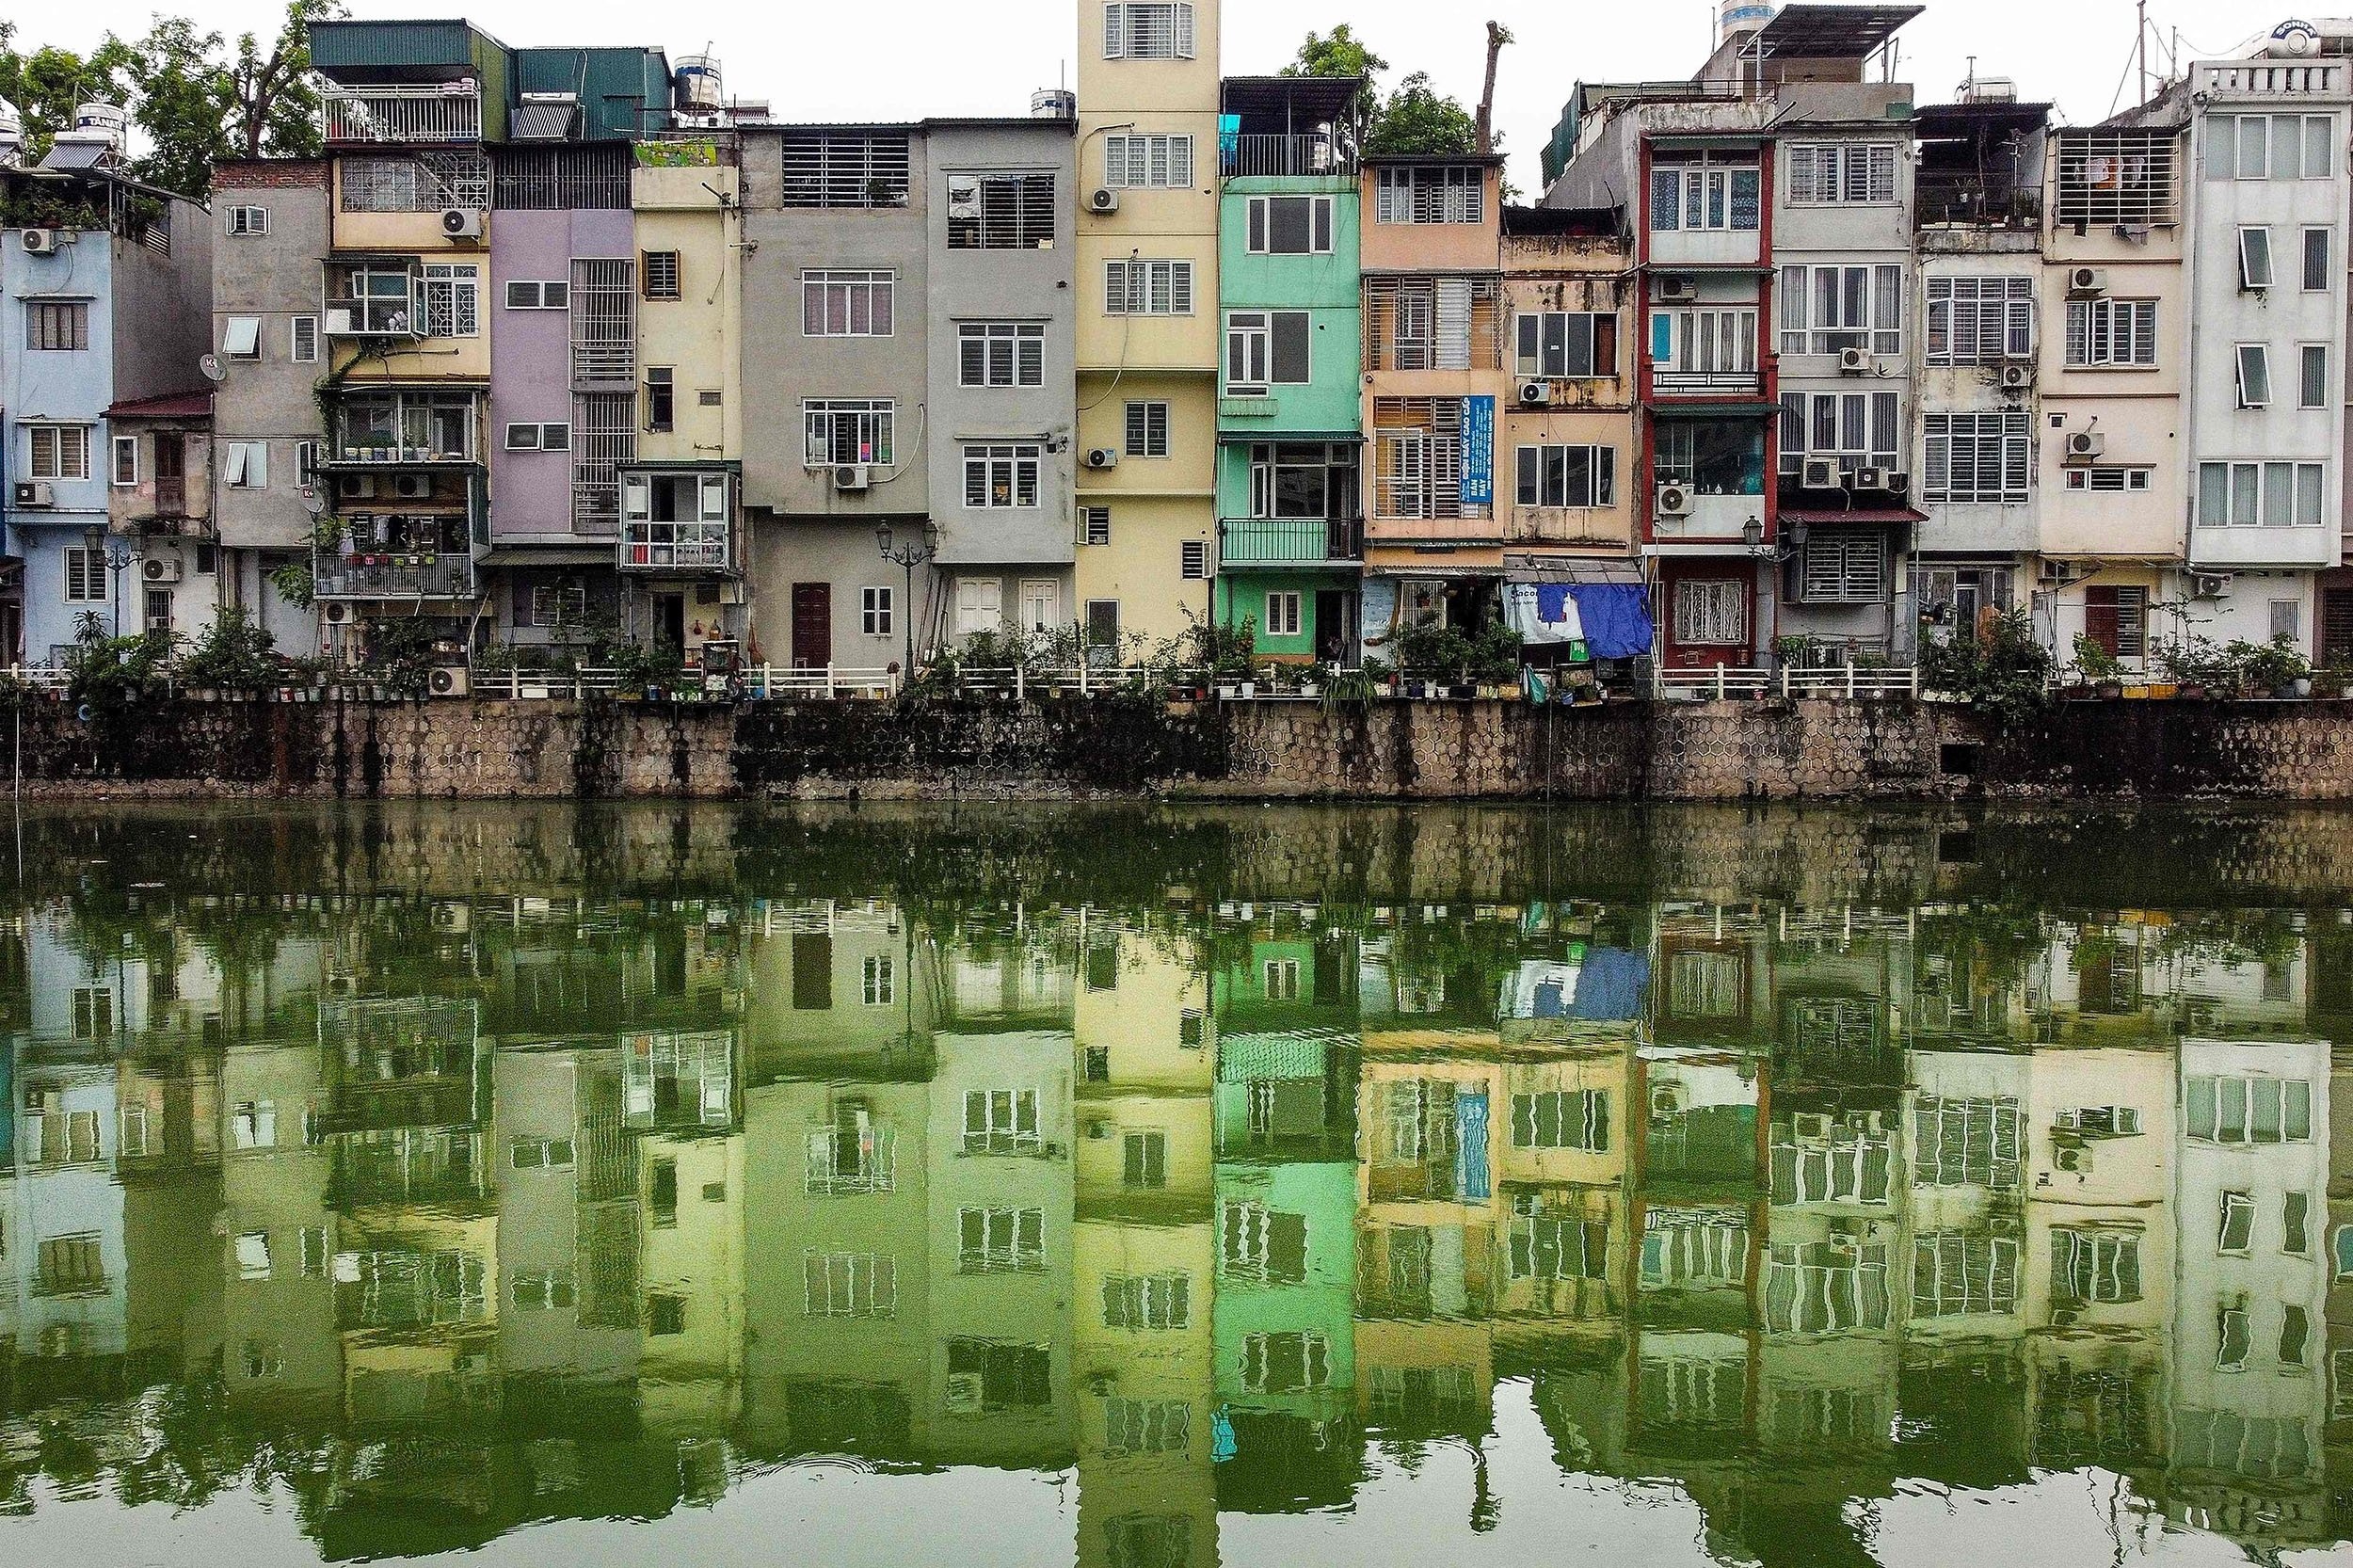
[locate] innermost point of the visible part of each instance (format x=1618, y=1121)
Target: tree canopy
x=1415, y=120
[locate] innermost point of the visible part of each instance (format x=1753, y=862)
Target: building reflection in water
x=447, y=1213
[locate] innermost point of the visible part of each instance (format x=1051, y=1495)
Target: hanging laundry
x=1614, y=617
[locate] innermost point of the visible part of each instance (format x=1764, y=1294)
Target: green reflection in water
x=1157, y=1185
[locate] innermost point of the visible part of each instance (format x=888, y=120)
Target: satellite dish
x=210, y=364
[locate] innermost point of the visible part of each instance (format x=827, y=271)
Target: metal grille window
x=85, y=576
x=1859, y=429
x=1433, y=324
x=561, y=179
x=1958, y=1273
x=1825, y=309
x=1842, y=566
x=1143, y=288
x=1966, y=1143
x=1981, y=458
x=1705, y=196
x=849, y=1285
x=452, y=293
x=1147, y=1300
x=2108, y=477
x=1192, y=560
x=1001, y=212
x=1267, y=348
x=1148, y=30
x=660, y=273
x=2260, y=495
x=415, y=182
x=1418, y=460
x=1290, y=225
x=1147, y=429
x=1001, y=354
x=604, y=323
x=1570, y=343
x=1095, y=526
x=1844, y=172
x=999, y=477
x=604, y=436
x=2270, y=147
x=1134, y=160
x=846, y=430
x=1567, y=475
x=1449, y=193
x=2112, y=178
x=1977, y=321
x=1711, y=613
x=1561, y=1119
x=2111, y=332
x=58, y=451
x=847, y=304
x=833, y=168
x=56, y=324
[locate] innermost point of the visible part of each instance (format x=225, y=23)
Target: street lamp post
x=116, y=556
x=908, y=557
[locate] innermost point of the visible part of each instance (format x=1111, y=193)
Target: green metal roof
x=614, y=85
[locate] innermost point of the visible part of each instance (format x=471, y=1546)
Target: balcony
x=651, y=545
x=676, y=522
x=1314, y=152
x=1667, y=381
x=1289, y=541
x=450, y=113
x=1975, y=201
x=438, y=574
x=403, y=428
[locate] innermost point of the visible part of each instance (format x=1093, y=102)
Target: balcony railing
x=1312, y=153
x=393, y=576
x=387, y=114
x=1981, y=200
x=1671, y=382
x=673, y=546
x=1289, y=541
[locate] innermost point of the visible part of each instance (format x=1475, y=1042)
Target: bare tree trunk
x=1498, y=36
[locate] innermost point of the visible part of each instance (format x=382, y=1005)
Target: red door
x=812, y=625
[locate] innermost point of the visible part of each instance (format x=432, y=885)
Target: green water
x=1152, y=1189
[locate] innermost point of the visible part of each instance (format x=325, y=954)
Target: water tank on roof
x=1055, y=103
x=1742, y=16
x=97, y=122
x=11, y=138
x=1989, y=90
x=2293, y=39
x=695, y=83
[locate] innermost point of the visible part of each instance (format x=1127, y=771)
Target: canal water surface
x=1152, y=1189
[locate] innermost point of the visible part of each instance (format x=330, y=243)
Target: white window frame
x=2095, y=327
x=449, y=295
x=2258, y=268
x=998, y=353
x=1137, y=160
x=1283, y=608
x=1840, y=173
x=1866, y=429
x=246, y=221
x=1146, y=286
x=1019, y=464
x=125, y=446
x=1704, y=340
x=1174, y=38
x=1844, y=566
x=851, y=287
x=2306, y=354
x=244, y=465
x=1258, y=232
x=241, y=338
x=878, y=972
x=2231, y=153
x=2013, y=458
x=1253, y=368
x=2252, y=492
x=873, y=418
x=1192, y=560
x=1430, y=193
x=1979, y=319
x=2109, y=477
x=1871, y=319
x=1008, y=1122
x=302, y=339
x=877, y=610
x=1531, y=461
x=2320, y=266
x=73, y=313
x=68, y=455
x=1706, y=198
x=1711, y=612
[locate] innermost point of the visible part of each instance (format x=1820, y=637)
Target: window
x=979, y=606
x=2295, y=1223
x=1285, y=1363
x=2116, y=618
x=849, y=1285
x=241, y=338
x=986, y=1375
x=1825, y=309
x=1425, y=323
x=2236, y=1231
x=661, y=398
x=312, y=1243
x=1001, y=212
x=1147, y=30
x=249, y=220
x=1001, y=1121
x=846, y=430
x=1561, y=1119
x=540, y=1154
x=546, y=1291
x=1444, y=193
x=85, y=576
x=1961, y=1272
x=1291, y=225
x=1418, y=459
x=1713, y=456
x=856, y=303
x=556, y=437
x=1567, y=344
x=252, y=1250
x=1975, y=321
x=657, y=274
x=524, y=293
x=253, y=1125
x=2345, y=1252
x=1192, y=560
x=874, y=612
x=2315, y=253
x=1103, y=627
x=665, y=1314
x=1711, y=613
x=1843, y=173
x=1000, y=1241
x=2110, y=333
x=2095, y=1265
x=1966, y=1142
x=2253, y=376
x=2265, y=494
x=1266, y=349
x=2268, y=147
x=1567, y=475
x=1980, y=458
x=1703, y=343
x=1150, y=161
x=306, y=463
x=2295, y=1332
x=69, y=1266
x=1842, y=566
x=1278, y=979
x=845, y=168
x=451, y=297
x=1095, y=526
x=1001, y=476
x=1145, y=1426
x=1143, y=1161
x=1704, y=197
x=2255, y=258
x=1303, y=479
x=1001, y=354
x=1282, y=615
x=1141, y=288
x=2111, y=177
x=2108, y=476
x=58, y=451
x=878, y=973
x=244, y=465
x=1147, y=1300
x=127, y=461
x=302, y=340
x=1859, y=429
x=2311, y=376
x=2246, y=1109
x=2287, y=621
x=1147, y=430
x=56, y=324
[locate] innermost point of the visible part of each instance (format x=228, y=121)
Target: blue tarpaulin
x=1470, y=1159
x=1616, y=618
x=1609, y=986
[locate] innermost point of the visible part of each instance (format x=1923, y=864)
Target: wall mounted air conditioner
x=41, y=242
x=1102, y=456
x=161, y=569
x=412, y=487
x=1672, y=289
x=1536, y=394
x=1857, y=361
x=1102, y=199
x=1873, y=479
x=357, y=487
x=852, y=478
x=2085, y=282
x=1819, y=474
x=449, y=680
x=1675, y=500
x=34, y=492
x=2084, y=445
x=2209, y=584
x=2017, y=377
x=336, y=613
x=461, y=223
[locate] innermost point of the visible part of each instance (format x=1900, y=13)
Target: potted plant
x=2102, y=669
x=2278, y=668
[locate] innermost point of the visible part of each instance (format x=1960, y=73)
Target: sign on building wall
x=1478, y=451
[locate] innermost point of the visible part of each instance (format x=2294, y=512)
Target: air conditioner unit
x=1102, y=456
x=41, y=242
x=1102, y=199
x=449, y=680
x=1819, y=474
x=1536, y=394
x=452, y=916
x=2209, y=584
x=1674, y=501
x=412, y=487
x=461, y=223
x=2017, y=377
x=2084, y=281
x=1857, y=361
x=357, y=487
x=1873, y=479
x=336, y=613
x=1674, y=289
x=342, y=324
x=2075, y=1160
x=1898, y=481
x=851, y=478
x=161, y=569
x=2051, y=573
x=35, y=492
x=2084, y=445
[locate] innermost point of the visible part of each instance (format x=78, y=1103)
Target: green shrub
x=2005, y=672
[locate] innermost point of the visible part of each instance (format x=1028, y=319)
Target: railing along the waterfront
x=1854, y=682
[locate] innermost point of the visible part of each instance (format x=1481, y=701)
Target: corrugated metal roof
x=397, y=46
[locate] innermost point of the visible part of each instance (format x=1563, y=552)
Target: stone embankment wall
x=981, y=747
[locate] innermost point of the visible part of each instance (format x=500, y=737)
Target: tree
x=1341, y=55
x=277, y=105
x=182, y=106
x=1417, y=121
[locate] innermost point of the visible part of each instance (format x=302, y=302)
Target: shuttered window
x=2116, y=618
x=2105, y=333
x=1842, y=566
x=1981, y=458
x=1975, y=321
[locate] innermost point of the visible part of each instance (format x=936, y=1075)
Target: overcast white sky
x=874, y=59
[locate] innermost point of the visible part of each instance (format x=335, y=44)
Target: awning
x=1553, y=568
x=1700, y=547
x=1437, y=569
x=1830, y=516
x=1243, y=435
x=547, y=555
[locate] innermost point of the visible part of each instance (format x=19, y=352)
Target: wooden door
x=812, y=625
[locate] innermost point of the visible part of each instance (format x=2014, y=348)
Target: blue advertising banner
x=1478, y=451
